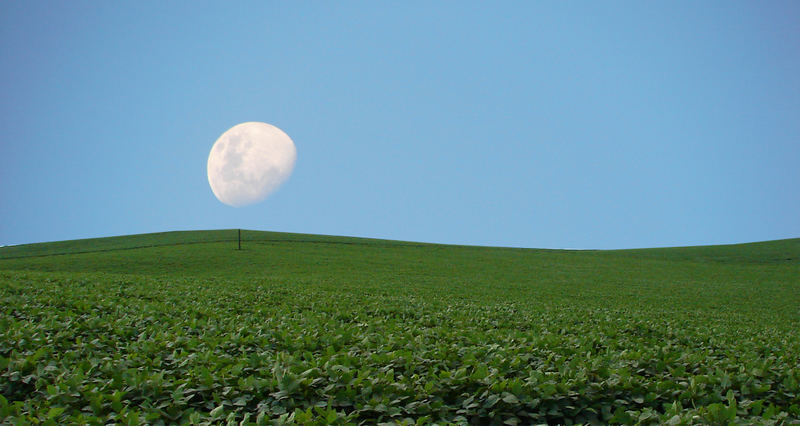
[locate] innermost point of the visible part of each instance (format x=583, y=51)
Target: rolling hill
x=183, y=327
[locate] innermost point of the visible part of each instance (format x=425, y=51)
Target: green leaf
x=491, y=401
x=231, y=419
x=217, y=412
x=261, y=419
x=510, y=398
x=423, y=420
x=55, y=412
x=133, y=419
x=245, y=420
x=480, y=373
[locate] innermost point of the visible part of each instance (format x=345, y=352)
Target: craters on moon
x=249, y=162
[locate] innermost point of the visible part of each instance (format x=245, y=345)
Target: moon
x=249, y=162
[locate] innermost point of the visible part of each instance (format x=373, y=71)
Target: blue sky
x=532, y=124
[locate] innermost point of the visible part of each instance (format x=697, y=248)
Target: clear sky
x=533, y=124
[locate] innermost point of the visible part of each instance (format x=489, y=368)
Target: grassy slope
x=750, y=277
x=734, y=301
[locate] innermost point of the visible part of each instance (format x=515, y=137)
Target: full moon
x=249, y=162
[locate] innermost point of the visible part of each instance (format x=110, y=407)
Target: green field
x=183, y=328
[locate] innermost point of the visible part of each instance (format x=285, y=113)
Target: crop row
x=101, y=348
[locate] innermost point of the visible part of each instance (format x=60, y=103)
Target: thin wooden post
x=240, y=239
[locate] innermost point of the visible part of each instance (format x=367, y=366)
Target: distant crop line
x=260, y=241
x=339, y=242
x=114, y=249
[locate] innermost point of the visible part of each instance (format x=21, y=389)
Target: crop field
x=305, y=329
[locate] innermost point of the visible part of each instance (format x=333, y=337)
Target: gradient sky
x=532, y=124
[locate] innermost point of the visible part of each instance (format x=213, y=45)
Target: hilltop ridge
x=775, y=250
